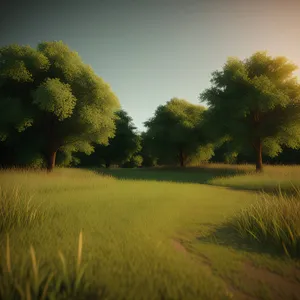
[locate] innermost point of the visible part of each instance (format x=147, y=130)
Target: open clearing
x=153, y=234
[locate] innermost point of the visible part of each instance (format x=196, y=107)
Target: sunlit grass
x=18, y=210
x=129, y=227
x=273, y=221
x=273, y=176
x=35, y=282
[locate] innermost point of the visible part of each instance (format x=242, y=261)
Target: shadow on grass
x=200, y=175
x=286, y=191
x=228, y=237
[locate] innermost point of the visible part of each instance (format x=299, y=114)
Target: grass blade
x=8, y=258
x=79, y=256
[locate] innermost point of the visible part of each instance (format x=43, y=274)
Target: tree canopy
x=121, y=148
x=175, y=132
x=149, y=158
x=51, y=90
x=256, y=102
x=51, y=103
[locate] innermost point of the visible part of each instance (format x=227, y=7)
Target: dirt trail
x=280, y=287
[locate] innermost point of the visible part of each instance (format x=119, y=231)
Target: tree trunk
x=258, y=150
x=107, y=164
x=50, y=159
x=181, y=159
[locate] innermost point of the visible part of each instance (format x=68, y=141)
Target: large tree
x=175, y=133
x=52, y=90
x=121, y=148
x=256, y=102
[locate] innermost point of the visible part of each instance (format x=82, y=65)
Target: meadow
x=161, y=233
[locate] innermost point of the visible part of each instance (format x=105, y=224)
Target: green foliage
x=256, y=102
x=50, y=89
x=29, y=156
x=175, y=134
x=12, y=117
x=149, y=159
x=273, y=221
x=230, y=157
x=121, y=147
x=66, y=159
x=55, y=97
x=134, y=162
x=21, y=63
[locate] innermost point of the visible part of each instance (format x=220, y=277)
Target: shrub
x=149, y=161
x=135, y=162
x=230, y=157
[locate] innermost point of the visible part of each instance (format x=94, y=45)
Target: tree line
x=54, y=109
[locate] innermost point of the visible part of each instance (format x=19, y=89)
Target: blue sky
x=151, y=51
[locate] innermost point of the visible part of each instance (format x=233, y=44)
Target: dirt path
x=281, y=288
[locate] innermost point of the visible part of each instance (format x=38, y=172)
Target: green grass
x=147, y=234
x=31, y=282
x=287, y=177
x=273, y=221
x=17, y=209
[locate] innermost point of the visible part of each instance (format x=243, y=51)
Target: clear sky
x=152, y=50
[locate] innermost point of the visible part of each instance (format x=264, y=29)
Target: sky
x=152, y=51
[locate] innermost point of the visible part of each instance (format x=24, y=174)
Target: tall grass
x=17, y=209
x=33, y=282
x=273, y=221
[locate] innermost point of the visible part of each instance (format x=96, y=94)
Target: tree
x=149, y=159
x=135, y=161
x=52, y=90
x=175, y=133
x=121, y=148
x=257, y=103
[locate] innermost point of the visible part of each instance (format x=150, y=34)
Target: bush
x=149, y=161
x=230, y=157
x=273, y=221
x=66, y=159
x=30, y=158
x=134, y=162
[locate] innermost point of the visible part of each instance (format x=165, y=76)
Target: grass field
x=147, y=233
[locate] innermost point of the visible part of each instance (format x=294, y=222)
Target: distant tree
x=175, y=133
x=121, y=148
x=135, y=161
x=257, y=103
x=52, y=90
x=149, y=159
